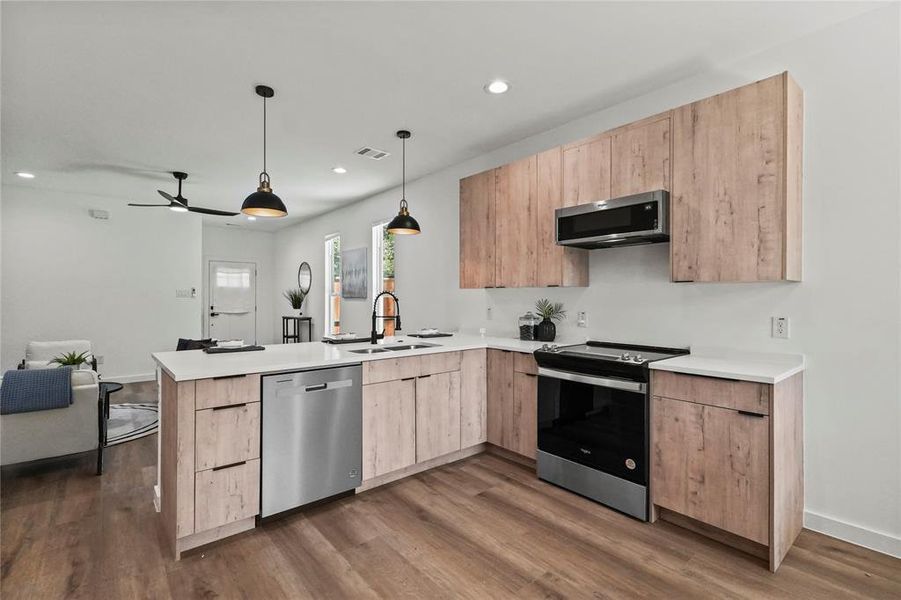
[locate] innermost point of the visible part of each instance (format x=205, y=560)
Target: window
x=332, y=284
x=383, y=273
x=232, y=278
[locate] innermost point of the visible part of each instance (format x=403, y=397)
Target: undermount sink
x=410, y=346
x=368, y=351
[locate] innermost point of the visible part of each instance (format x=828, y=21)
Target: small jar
x=527, y=324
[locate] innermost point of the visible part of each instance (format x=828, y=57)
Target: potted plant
x=549, y=312
x=71, y=359
x=295, y=297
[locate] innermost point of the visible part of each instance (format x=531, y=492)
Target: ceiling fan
x=180, y=204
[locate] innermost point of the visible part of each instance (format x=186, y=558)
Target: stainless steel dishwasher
x=312, y=436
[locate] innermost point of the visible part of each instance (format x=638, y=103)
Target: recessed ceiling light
x=339, y=170
x=498, y=86
x=25, y=175
x=251, y=218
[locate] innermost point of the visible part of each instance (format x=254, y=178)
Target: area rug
x=129, y=422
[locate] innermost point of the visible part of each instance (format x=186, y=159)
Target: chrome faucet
x=374, y=337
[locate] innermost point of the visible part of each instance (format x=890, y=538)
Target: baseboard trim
x=855, y=534
x=139, y=378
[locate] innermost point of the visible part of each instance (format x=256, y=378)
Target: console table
x=291, y=329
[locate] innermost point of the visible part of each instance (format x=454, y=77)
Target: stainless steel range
x=593, y=422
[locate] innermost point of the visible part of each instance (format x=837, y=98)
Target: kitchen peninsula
x=422, y=408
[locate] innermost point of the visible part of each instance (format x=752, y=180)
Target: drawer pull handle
x=237, y=464
x=748, y=413
x=230, y=376
x=315, y=388
x=531, y=374
x=230, y=406
x=424, y=376
x=408, y=379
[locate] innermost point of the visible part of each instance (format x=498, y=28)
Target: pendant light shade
x=404, y=223
x=263, y=202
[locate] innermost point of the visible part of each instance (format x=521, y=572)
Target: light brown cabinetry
x=640, y=157
x=437, y=415
x=736, y=191
x=389, y=426
x=557, y=265
x=728, y=455
x=473, y=395
x=586, y=171
x=512, y=402
x=516, y=224
x=477, y=223
x=209, y=458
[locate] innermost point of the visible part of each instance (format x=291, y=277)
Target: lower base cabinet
x=389, y=426
x=728, y=455
x=437, y=415
x=513, y=402
x=226, y=494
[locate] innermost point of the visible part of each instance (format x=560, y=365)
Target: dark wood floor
x=480, y=528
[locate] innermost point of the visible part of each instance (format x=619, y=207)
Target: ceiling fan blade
x=159, y=205
x=171, y=198
x=210, y=211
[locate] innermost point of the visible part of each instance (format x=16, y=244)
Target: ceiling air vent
x=373, y=153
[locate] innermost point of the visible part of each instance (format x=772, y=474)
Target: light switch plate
x=184, y=293
x=581, y=319
x=780, y=328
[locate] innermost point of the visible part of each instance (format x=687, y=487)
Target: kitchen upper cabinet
x=586, y=171
x=640, y=157
x=736, y=191
x=389, y=426
x=516, y=224
x=477, y=224
x=557, y=265
x=437, y=415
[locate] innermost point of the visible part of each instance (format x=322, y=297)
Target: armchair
x=39, y=354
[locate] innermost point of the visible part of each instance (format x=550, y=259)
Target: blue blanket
x=27, y=390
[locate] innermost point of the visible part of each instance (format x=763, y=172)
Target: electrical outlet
x=184, y=293
x=780, y=328
x=488, y=313
x=99, y=358
x=581, y=319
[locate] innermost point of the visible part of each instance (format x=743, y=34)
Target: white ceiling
x=106, y=97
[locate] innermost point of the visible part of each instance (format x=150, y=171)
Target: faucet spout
x=375, y=336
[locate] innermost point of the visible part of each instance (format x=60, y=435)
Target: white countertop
x=734, y=364
x=196, y=364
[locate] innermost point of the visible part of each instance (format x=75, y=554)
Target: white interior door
x=233, y=301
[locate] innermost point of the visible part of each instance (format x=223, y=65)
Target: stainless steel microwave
x=638, y=219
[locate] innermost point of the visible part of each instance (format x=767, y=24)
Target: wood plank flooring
x=480, y=528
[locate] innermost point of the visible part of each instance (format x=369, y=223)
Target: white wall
x=844, y=315
x=245, y=245
x=66, y=275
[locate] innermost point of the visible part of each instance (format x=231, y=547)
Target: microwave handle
x=629, y=386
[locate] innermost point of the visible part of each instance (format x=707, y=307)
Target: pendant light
x=403, y=223
x=264, y=203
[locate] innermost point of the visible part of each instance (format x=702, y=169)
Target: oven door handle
x=630, y=386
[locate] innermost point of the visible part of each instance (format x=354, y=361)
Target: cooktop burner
x=603, y=356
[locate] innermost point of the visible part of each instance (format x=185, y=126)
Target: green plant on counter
x=551, y=311
x=71, y=359
x=295, y=297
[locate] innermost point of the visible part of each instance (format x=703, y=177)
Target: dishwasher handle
x=316, y=388
x=287, y=387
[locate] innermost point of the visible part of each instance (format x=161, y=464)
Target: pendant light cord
x=264, y=135
x=403, y=170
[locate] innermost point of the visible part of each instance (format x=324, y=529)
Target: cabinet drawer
x=224, y=391
x=390, y=369
x=439, y=363
x=226, y=494
x=725, y=393
x=525, y=363
x=227, y=435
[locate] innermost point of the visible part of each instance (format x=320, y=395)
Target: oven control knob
x=553, y=348
x=544, y=348
x=639, y=358
x=625, y=356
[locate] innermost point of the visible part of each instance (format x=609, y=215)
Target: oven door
x=594, y=421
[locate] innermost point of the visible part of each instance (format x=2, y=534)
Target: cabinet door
x=477, y=207
x=557, y=265
x=500, y=398
x=586, y=171
x=735, y=209
x=389, y=427
x=525, y=414
x=473, y=396
x=712, y=464
x=516, y=238
x=640, y=157
x=226, y=494
x=437, y=415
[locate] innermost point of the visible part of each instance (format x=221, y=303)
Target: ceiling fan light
x=263, y=204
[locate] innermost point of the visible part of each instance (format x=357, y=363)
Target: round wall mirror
x=304, y=277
